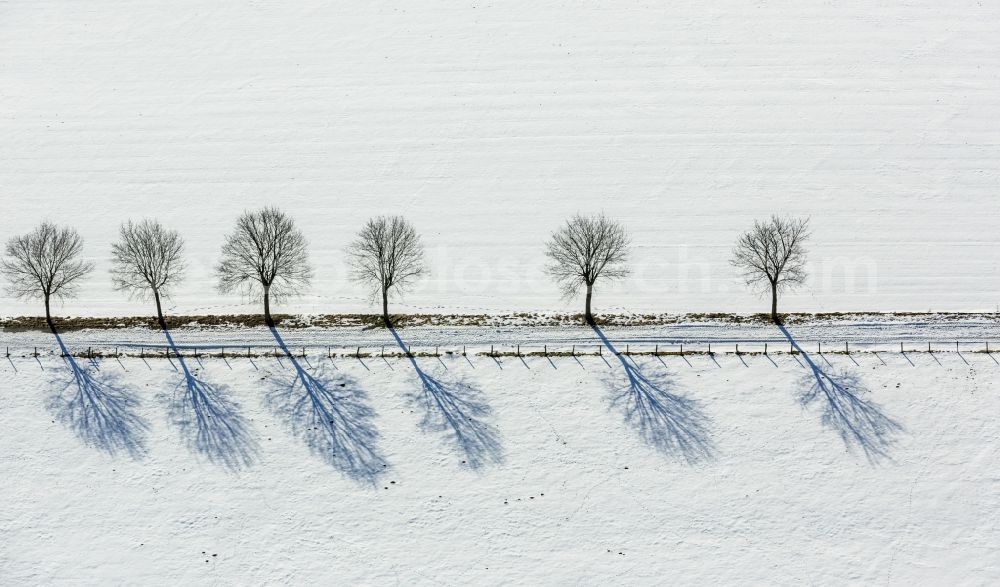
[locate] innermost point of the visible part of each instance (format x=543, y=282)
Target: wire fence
x=511, y=350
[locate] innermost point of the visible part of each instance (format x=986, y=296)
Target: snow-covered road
x=879, y=334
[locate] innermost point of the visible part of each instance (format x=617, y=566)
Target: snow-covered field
x=487, y=124
x=560, y=470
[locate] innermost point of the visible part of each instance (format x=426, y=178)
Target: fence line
x=515, y=350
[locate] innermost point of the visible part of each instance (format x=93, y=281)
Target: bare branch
x=265, y=253
x=45, y=263
x=147, y=259
x=387, y=256
x=586, y=249
x=771, y=256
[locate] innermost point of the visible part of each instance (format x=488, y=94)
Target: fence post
x=737, y=348
x=545, y=350
x=358, y=353
x=682, y=348
x=820, y=347
x=928, y=346
x=463, y=350
x=519, y=350
x=626, y=351
x=573, y=351
x=901, y=348
x=847, y=347
x=956, y=347
x=710, y=348
x=765, y=348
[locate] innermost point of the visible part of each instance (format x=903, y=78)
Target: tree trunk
x=588, y=316
x=159, y=311
x=48, y=316
x=385, y=308
x=267, y=307
x=774, y=303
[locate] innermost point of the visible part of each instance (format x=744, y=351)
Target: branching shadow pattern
x=330, y=412
x=675, y=425
x=460, y=411
x=861, y=423
x=210, y=422
x=99, y=410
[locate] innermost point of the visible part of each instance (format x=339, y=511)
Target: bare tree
x=388, y=256
x=585, y=250
x=772, y=256
x=44, y=264
x=265, y=256
x=147, y=261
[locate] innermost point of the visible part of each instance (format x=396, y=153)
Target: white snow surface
x=554, y=484
x=487, y=124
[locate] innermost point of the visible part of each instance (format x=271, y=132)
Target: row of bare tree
x=771, y=256
x=266, y=257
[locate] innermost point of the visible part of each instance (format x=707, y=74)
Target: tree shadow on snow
x=210, y=422
x=99, y=410
x=330, y=412
x=673, y=424
x=460, y=411
x=861, y=423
